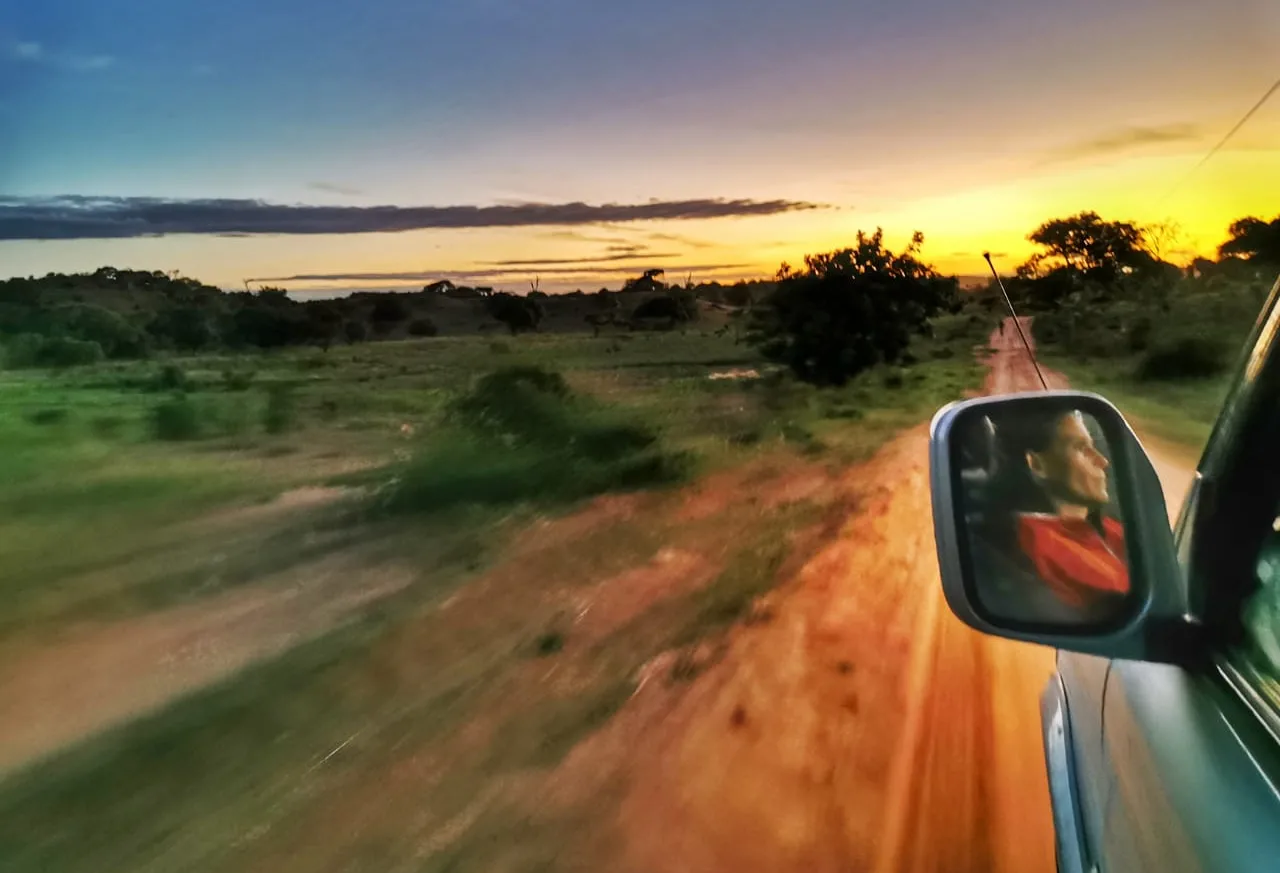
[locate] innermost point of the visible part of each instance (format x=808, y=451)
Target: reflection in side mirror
x=1051, y=526
x=1044, y=531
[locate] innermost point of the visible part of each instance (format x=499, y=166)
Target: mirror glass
x=1039, y=509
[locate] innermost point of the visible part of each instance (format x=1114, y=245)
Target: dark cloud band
x=78, y=217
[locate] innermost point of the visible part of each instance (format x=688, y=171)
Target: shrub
x=238, y=380
x=387, y=310
x=1138, y=334
x=107, y=426
x=355, y=332
x=171, y=378
x=522, y=435
x=49, y=415
x=423, y=327
x=23, y=351
x=1184, y=358
x=176, y=419
x=282, y=410
x=498, y=347
x=61, y=351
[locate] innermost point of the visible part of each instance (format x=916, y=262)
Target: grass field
x=443, y=704
x=1173, y=382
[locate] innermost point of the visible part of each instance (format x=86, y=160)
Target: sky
x=573, y=143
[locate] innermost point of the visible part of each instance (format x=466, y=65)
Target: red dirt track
x=862, y=727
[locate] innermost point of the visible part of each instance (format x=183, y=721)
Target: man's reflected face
x=1071, y=467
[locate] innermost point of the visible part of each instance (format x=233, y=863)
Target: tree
x=114, y=335
x=517, y=313
x=649, y=281
x=1254, y=240
x=1084, y=243
x=323, y=320
x=388, y=310
x=423, y=327
x=850, y=309
x=355, y=332
x=186, y=327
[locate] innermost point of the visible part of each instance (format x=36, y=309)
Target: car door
x=1083, y=679
x=1192, y=752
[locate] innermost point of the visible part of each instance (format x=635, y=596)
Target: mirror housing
x=1148, y=618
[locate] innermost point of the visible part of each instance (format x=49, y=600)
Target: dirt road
x=862, y=727
x=97, y=675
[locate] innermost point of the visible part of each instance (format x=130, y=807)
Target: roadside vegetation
x=471, y=523
x=467, y=470
x=1118, y=317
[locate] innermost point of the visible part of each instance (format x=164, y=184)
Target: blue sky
x=890, y=111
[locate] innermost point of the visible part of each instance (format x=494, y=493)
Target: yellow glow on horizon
x=958, y=227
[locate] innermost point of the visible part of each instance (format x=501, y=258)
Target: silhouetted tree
x=1099, y=250
x=649, y=281
x=517, y=313
x=323, y=320
x=388, y=311
x=355, y=332
x=1254, y=240
x=850, y=310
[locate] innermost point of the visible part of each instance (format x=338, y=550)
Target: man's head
x=1060, y=455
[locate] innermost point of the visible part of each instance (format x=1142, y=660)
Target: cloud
x=88, y=63
x=471, y=275
x=27, y=51
x=603, y=259
x=36, y=53
x=81, y=217
x=333, y=188
x=681, y=240
x=1126, y=139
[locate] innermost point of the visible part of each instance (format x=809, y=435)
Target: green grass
x=1181, y=412
x=106, y=521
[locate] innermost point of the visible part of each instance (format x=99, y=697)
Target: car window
x=1260, y=652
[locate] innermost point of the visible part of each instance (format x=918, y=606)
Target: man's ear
x=1036, y=465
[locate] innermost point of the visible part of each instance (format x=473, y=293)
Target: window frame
x=1227, y=515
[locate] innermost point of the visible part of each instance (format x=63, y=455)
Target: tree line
x=840, y=314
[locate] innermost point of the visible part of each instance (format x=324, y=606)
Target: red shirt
x=1073, y=559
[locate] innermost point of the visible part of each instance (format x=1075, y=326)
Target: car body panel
x=1060, y=764
x=1083, y=679
x=1175, y=770
x=1194, y=786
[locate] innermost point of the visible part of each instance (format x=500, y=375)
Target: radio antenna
x=1017, y=322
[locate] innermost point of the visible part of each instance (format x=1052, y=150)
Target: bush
x=521, y=435
x=23, y=351
x=355, y=332
x=107, y=426
x=282, y=409
x=61, y=351
x=423, y=327
x=1138, y=334
x=171, y=378
x=238, y=380
x=850, y=310
x=1183, y=358
x=49, y=415
x=387, y=310
x=176, y=419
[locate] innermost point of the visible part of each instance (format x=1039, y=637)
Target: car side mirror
x=1051, y=527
